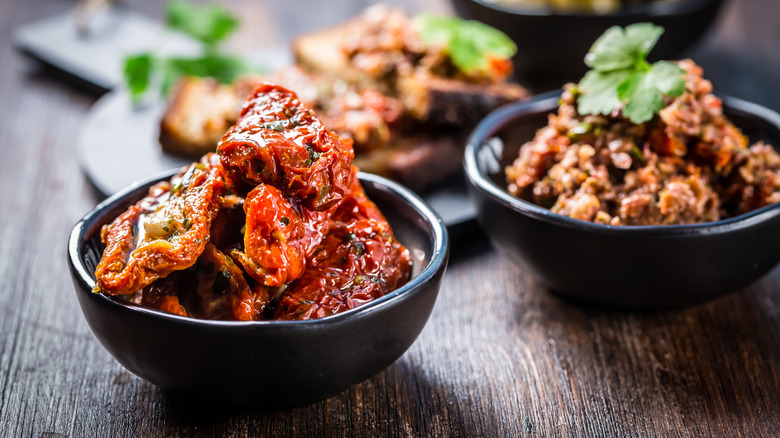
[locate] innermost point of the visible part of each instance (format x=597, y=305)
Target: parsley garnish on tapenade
x=622, y=79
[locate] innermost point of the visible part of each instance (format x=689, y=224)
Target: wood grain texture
x=500, y=356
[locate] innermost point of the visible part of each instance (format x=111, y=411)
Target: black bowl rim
x=653, y=9
x=504, y=115
x=436, y=263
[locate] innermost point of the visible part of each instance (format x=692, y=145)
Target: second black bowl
x=637, y=267
x=551, y=46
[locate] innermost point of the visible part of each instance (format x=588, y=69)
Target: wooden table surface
x=500, y=355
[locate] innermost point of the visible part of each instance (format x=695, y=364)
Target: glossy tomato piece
x=358, y=261
x=279, y=141
x=162, y=233
x=279, y=236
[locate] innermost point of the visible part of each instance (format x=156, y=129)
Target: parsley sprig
x=470, y=44
x=210, y=25
x=621, y=77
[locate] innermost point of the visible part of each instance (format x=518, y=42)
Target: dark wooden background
x=500, y=356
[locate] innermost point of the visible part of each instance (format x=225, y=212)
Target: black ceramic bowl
x=551, y=46
x=267, y=364
x=639, y=267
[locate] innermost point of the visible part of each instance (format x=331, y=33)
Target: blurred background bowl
x=551, y=45
x=636, y=267
x=266, y=364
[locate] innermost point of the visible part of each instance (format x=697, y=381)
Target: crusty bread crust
x=199, y=113
x=445, y=101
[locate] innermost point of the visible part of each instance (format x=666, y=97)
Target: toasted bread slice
x=392, y=62
x=321, y=51
x=445, y=101
x=417, y=160
x=199, y=114
x=365, y=51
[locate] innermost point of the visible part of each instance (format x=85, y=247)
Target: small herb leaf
x=643, y=92
x=470, y=44
x=223, y=68
x=620, y=48
x=643, y=106
x=599, y=94
x=137, y=73
x=621, y=77
x=208, y=24
x=667, y=78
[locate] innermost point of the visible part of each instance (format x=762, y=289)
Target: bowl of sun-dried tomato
x=266, y=363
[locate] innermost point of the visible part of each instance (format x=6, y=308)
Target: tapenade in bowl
x=636, y=206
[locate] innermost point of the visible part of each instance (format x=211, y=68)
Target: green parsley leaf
x=470, y=44
x=208, y=24
x=620, y=48
x=642, y=105
x=667, y=78
x=598, y=92
x=622, y=79
x=643, y=91
x=137, y=72
x=435, y=29
x=223, y=68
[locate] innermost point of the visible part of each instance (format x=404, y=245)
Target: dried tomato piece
x=162, y=233
x=358, y=261
x=279, y=236
x=215, y=288
x=278, y=141
x=162, y=295
x=221, y=285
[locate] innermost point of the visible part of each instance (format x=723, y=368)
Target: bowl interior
x=414, y=224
